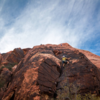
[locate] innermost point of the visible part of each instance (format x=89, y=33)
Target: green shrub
x=9, y=66
x=2, y=79
x=87, y=96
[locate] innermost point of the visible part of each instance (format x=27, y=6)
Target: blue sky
x=26, y=23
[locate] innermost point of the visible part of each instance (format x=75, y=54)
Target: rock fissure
x=12, y=98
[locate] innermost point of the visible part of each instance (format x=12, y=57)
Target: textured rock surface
x=6, y=74
x=38, y=75
x=5, y=77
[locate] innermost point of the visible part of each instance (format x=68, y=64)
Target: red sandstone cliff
x=38, y=74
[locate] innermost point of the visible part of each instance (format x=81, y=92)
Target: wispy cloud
x=56, y=21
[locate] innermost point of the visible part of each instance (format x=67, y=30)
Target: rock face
x=34, y=76
x=39, y=75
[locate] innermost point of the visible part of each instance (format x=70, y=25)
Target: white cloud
x=53, y=22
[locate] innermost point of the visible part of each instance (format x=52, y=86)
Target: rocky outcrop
x=40, y=76
x=14, y=56
x=7, y=61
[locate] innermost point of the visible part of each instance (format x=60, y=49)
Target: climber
x=65, y=60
